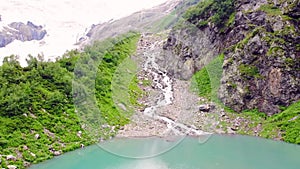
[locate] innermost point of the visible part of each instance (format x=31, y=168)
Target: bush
x=215, y=11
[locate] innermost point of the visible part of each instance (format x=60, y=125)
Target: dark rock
x=204, y=107
x=22, y=32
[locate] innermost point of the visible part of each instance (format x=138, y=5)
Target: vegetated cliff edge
x=260, y=42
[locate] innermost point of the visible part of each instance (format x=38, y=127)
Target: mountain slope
x=261, y=56
x=153, y=20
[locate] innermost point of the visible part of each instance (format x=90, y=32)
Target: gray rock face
x=261, y=54
x=262, y=72
x=22, y=32
x=181, y=57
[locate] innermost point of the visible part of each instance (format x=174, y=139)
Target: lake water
x=218, y=152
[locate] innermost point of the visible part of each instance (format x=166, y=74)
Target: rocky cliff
x=260, y=41
x=20, y=31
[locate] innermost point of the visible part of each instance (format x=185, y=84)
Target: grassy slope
x=38, y=99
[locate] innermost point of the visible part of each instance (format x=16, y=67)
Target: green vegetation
x=106, y=71
x=242, y=43
x=270, y=10
x=248, y=70
x=207, y=81
x=135, y=93
x=215, y=11
x=37, y=102
x=164, y=23
x=173, y=18
x=287, y=122
x=284, y=126
x=36, y=110
x=203, y=83
x=231, y=20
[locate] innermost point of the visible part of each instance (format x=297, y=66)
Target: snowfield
x=64, y=20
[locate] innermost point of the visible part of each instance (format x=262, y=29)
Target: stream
x=164, y=84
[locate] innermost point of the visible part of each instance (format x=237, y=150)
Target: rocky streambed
x=171, y=109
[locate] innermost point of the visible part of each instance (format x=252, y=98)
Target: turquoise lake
x=218, y=152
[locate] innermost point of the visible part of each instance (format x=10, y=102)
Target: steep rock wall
x=260, y=42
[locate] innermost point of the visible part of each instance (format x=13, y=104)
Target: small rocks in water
x=11, y=167
x=11, y=157
x=37, y=136
x=204, y=107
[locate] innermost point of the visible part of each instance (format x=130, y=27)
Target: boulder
x=57, y=153
x=204, y=107
x=11, y=157
x=12, y=167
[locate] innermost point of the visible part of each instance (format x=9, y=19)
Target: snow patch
x=64, y=20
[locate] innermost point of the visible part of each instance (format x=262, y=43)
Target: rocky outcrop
x=181, y=57
x=262, y=71
x=22, y=32
x=259, y=40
